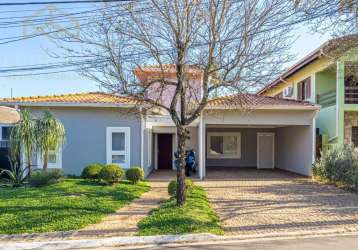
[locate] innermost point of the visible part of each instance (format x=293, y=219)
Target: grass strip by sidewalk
x=69, y=205
x=196, y=216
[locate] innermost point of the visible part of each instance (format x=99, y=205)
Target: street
x=321, y=243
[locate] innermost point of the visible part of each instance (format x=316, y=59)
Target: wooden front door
x=165, y=151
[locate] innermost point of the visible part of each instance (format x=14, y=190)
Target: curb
x=137, y=241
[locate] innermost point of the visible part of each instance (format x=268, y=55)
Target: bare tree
x=339, y=17
x=174, y=55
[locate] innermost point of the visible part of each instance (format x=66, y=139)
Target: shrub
x=135, y=174
x=44, y=178
x=172, y=186
x=15, y=176
x=111, y=173
x=91, y=171
x=335, y=164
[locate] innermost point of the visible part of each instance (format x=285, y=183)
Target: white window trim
x=126, y=152
x=58, y=163
x=238, y=149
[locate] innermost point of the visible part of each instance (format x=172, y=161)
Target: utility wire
x=62, y=2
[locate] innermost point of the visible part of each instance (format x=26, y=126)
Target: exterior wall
x=307, y=71
x=248, y=148
x=350, y=120
x=325, y=81
x=326, y=121
x=260, y=117
x=86, y=135
x=295, y=149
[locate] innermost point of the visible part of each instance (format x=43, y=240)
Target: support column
x=340, y=102
x=201, y=143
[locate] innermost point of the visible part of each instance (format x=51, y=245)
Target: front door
x=165, y=151
x=265, y=150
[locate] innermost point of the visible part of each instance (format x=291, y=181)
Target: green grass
x=196, y=216
x=68, y=205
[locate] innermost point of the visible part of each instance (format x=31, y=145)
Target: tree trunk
x=29, y=163
x=181, y=188
x=45, y=163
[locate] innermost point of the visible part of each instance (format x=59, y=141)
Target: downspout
x=142, y=126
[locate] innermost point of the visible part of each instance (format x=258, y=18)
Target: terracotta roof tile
x=78, y=98
x=252, y=100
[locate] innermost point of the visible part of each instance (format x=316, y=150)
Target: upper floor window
x=304, y=89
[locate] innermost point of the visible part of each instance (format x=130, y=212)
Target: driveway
x=272, y=201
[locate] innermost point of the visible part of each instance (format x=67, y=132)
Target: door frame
x=174, y=139
x=258, y=146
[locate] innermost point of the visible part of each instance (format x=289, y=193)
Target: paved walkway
x=265, y=201
x=122, y=223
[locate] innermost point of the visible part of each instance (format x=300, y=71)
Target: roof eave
x=67, y=104
x=269, y=107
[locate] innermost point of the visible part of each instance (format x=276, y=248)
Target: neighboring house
x=238, y=131
x=328, y=82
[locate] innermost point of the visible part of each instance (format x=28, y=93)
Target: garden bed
x=196, y=216
x=69, y=205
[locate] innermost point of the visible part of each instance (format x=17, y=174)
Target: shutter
x=299, y=91
x=308, y=88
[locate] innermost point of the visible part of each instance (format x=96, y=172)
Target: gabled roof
x=78, y=99
x=258, y=102
x=335, y=46
x=100, y=99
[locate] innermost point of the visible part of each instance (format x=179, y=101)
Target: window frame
x=57, y=165
x=238, y=146
x=304, y=89
x=125, y=152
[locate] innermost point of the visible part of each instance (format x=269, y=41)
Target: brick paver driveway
x=273, y=201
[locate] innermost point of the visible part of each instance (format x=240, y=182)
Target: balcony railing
x=351, y=94
x=327, y=99
x=4, y=144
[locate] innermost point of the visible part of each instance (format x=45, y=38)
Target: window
x=54, y=159
x=224, y=145
x=5, y=133
x=118, y=146
x=304, y=89
x=355, y=136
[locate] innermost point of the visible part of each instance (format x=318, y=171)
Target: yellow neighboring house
x=328, y=77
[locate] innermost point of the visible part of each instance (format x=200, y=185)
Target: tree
x=22, y=137
x=231, y=46
x=339, y=17
x=50, y=136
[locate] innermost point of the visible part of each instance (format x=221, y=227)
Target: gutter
x=67, y=104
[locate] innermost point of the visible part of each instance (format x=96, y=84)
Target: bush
x=111, y=173
x=338, y=165
x=135, y=174
x=172, y=186
x=91, y=171
x=335, y=164
x=44, y=178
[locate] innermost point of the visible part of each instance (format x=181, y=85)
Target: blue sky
x=33, y=51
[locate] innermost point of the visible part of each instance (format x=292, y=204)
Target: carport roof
x=254, y=101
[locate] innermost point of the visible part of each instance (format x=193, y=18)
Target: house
x=329, y=82
x=260, y=132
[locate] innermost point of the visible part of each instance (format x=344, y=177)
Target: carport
x=264, y=132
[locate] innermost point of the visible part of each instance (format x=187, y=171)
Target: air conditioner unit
x=288, y=91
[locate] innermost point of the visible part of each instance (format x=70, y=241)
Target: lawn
x=68, y=205
x=196, y=216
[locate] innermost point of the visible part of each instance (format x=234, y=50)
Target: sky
x=35, y=51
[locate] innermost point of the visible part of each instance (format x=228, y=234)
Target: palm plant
x=22, y=137
x=50, y=136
